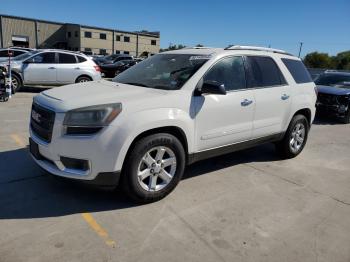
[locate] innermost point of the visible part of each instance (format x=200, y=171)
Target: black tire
x=284, y=147
x=83, y=79
x=346, y=119
x=130, y=182
x=16, y=83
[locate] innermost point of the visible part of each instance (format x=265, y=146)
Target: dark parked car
x=110, y=59
x=334, y=94
x=110, y=70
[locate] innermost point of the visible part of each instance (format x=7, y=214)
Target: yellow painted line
x=98, y=229
x=19, y=141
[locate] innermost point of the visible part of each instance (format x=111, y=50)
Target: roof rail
x=197, y=47
x=256, y=48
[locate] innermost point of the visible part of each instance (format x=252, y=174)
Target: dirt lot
x=245, y=206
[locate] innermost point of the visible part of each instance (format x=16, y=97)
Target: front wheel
x=346, y=119
x=295, y=137
x=153, y=168
x=16, y=83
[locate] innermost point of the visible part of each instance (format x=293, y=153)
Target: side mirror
x=212, y=87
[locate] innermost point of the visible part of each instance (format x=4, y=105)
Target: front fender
x=131, y=126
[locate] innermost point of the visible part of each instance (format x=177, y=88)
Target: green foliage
x=342, y=60
x=318, y=60
x=172, y=47
x=322, y=60
x=176, y=47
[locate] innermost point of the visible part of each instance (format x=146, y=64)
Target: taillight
x=97, y=68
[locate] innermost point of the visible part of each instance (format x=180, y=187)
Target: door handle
x=52, y=67
x=284, y=97
x=246, y=102
x=77, y=68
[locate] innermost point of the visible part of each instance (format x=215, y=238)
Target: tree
x=318, y=60
x=172, y=47
x=342, y=60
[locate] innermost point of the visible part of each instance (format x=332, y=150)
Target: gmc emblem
x=36, y=116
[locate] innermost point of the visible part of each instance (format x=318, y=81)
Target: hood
x=332, y=90
x=69, y=97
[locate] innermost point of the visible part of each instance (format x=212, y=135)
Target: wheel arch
x=83, y=75
x=305, y=112
x=172, y=130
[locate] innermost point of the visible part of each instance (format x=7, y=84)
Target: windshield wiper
x=135, y=84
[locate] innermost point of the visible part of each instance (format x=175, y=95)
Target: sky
x=322, y=26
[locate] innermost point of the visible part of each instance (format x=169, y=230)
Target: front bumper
x=97, y=150
x=331, y=109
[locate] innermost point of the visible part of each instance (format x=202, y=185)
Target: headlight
x=89, y=120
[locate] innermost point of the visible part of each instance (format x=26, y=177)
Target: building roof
x=143, y=32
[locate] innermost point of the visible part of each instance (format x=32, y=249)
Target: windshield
x=333, y=79
x=24, y=56
x=162, y=71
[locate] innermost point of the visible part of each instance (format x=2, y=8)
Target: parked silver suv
x=52, y=67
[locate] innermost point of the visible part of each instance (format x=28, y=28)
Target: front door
x=40, y=69
x=224, y=119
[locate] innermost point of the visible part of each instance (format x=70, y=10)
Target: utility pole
x=301, y=45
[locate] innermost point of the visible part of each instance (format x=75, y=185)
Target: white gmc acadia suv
x=172, y=109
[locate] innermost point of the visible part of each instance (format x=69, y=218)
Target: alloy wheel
x=297, y=137
x=156, y=168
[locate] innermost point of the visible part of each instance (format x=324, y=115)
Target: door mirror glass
x=213, y=87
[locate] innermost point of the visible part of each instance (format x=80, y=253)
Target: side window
x=44, y=58
x=81, y=59
x=263, y=72
x=297, y=69
x=66, y=59
x=228, y=71
x=3, y=53
x=17, y=52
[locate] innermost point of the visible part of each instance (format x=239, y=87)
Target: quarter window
x=264, y=72
x=81, y=59
x=228, y=71
x=44, y=58
x=297, y=69
x=66, y=59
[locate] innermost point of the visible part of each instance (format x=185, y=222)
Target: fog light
x=73, y=163
x=342, y=109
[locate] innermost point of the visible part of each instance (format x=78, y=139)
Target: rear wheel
x=154, y=168
x=295, y=137
x=83, y=79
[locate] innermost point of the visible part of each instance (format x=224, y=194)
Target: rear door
x=272, y=95
x=68, y=69
x=40, y=69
